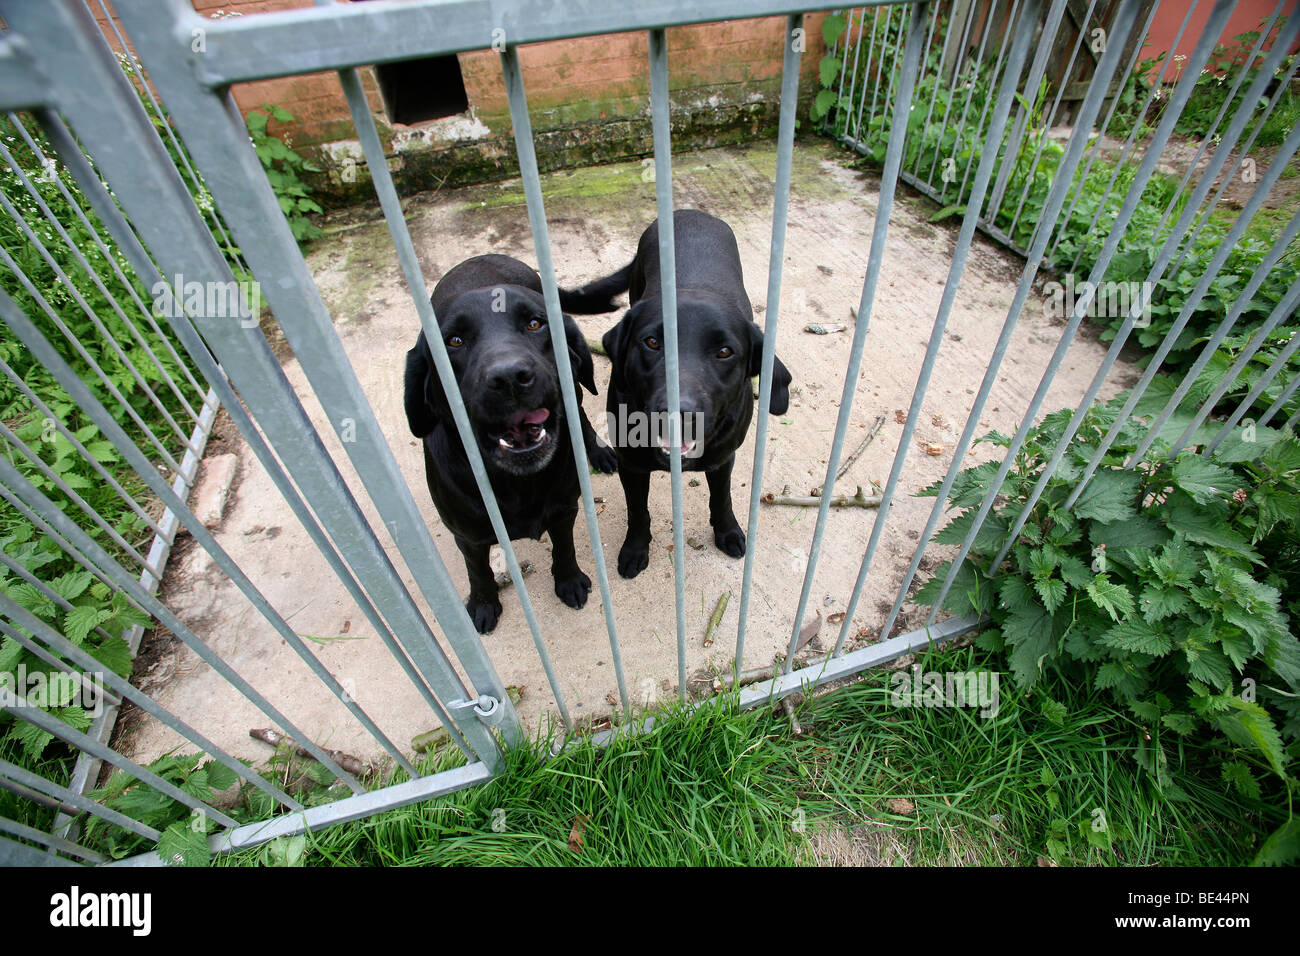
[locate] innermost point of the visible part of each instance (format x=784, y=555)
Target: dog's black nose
x=510, y=376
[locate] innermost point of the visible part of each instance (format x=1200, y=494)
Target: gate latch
x=485, y=707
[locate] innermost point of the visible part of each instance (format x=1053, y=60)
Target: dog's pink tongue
x=535, y=417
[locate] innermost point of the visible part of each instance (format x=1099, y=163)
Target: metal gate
x=56, y=68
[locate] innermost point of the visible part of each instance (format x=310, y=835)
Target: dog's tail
x=596, y=297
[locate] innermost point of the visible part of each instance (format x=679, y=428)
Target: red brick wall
x=567, y=81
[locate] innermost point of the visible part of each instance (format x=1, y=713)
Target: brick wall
x=589, y=99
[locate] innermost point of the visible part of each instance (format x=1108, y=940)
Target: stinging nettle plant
x=1171, y=588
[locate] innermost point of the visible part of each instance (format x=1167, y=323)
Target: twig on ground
x=716, y=618
x=862, y=445
x=794, y=721
x=351, y=764
x=859, y=500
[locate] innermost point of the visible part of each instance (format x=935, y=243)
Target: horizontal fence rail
x=1037, y=122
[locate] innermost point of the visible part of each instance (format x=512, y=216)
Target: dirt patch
x=594, y=232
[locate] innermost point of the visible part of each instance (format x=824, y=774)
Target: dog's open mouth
x=524, y=431
x=689, y=447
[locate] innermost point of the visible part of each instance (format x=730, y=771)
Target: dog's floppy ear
x=781, y=377
x=615, y=340
x=424, y=400
x=584, y=370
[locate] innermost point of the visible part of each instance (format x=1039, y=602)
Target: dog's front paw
x=603, y=458
x=633, y=558
x=730, y=542
x=573, y=591
x=484, y=614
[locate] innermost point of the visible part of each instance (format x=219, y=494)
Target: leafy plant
x=947, y=134
x=283, y=170
x=184, y=832
x=1155, y=589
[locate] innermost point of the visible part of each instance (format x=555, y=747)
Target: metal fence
x=989, y=153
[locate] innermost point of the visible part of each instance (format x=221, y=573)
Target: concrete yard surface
x=596, y=216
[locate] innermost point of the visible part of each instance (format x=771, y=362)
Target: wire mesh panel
x=1038, y=122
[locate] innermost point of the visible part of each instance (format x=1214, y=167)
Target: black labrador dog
x=720, y=349
x=492, y=317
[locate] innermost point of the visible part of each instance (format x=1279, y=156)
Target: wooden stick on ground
x=859, y=500
x=716, y=618
x=348, y=762
x=862, y=446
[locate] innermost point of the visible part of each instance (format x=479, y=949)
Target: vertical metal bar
x=1282, y=87
x=976, y=66
x=949, y=33
x=1023, y=116
x=90, y=313
x=990, y=143
x=866, y=72
x=16, y=487
x=1171, y=337
x=1265, y=380
x=1181, y=94
x=30, y=288
x=123, y=687
x=392, y=207
x=1282, y=399
x=1281, y=311
x=555, y=319
x=1217, y=19
x=228, y=244
x=1240, y=77
x=952, y=81
x=888, y=185
x=289, y=421
x=50, y=418
x=881, y=65
x=663, y=150
x=109, y=257
x=63, y=373
x=1051, y=118
x=857, y=49
x=1122, y=162
x=1114, y=104
x=1001, y=112
x=775, y=264
x=217, y=139
x=1056, y=196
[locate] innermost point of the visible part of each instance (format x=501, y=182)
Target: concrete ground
x=596, y=216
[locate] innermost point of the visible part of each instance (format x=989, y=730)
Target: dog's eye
x=652, y=342
x=533, y=324
x=725, y=352
x=454, y=341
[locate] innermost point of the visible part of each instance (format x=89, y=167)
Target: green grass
x=868, y=782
